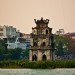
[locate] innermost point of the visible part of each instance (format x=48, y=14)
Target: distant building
x=26, y=36
x=60, y=32
x=27, y=39
x=18, y=33
x=7, y=31
x=16, y=43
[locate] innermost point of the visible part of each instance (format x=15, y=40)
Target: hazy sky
x=21, y=14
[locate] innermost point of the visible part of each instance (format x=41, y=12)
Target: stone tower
x=40, y=43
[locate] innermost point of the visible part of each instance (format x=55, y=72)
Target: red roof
x=72, y=39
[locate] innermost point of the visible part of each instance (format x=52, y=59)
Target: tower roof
x=42, y=21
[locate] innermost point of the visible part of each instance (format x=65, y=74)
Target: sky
x=21, y=14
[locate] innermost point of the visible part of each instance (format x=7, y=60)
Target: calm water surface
x=37, y=71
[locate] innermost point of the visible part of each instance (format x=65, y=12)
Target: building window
x=1, y=29
x=43, y=44
x=39, y=32
x=1, y=34
x=34, y=58
x=46, y=32
x=35, y=44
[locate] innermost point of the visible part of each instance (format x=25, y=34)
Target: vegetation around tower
x=38, y=64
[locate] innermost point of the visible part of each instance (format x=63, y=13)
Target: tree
x=1, y=53
x=62, y=43
x=25, y=54
x=15, y=53
x=60, y=51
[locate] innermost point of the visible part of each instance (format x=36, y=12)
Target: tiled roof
x=72, y=40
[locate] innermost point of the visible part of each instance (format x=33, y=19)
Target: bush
x=38, y=64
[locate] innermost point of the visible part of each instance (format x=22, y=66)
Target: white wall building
x=60, y=32
x=7, y=31
x=28, y=39
x=16, y=43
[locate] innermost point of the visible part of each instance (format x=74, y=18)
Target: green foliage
x=25, y=53
x=2, y=52
x=12, y=54
x=60, y=51
x=38, y=64
x=62, y=43
x=15, y=53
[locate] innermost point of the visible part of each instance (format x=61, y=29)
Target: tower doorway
x=34, y=58
x=44, y=57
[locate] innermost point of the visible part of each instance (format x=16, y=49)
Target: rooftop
x=42, y=21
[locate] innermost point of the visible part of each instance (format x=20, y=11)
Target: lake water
x=37, y=71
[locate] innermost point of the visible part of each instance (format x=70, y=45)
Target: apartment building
x=7, y=31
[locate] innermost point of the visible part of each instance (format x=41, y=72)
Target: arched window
x=43, y=44
x=46, y=32
x=34, y=58
x=44, y=57
x=35, y=44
